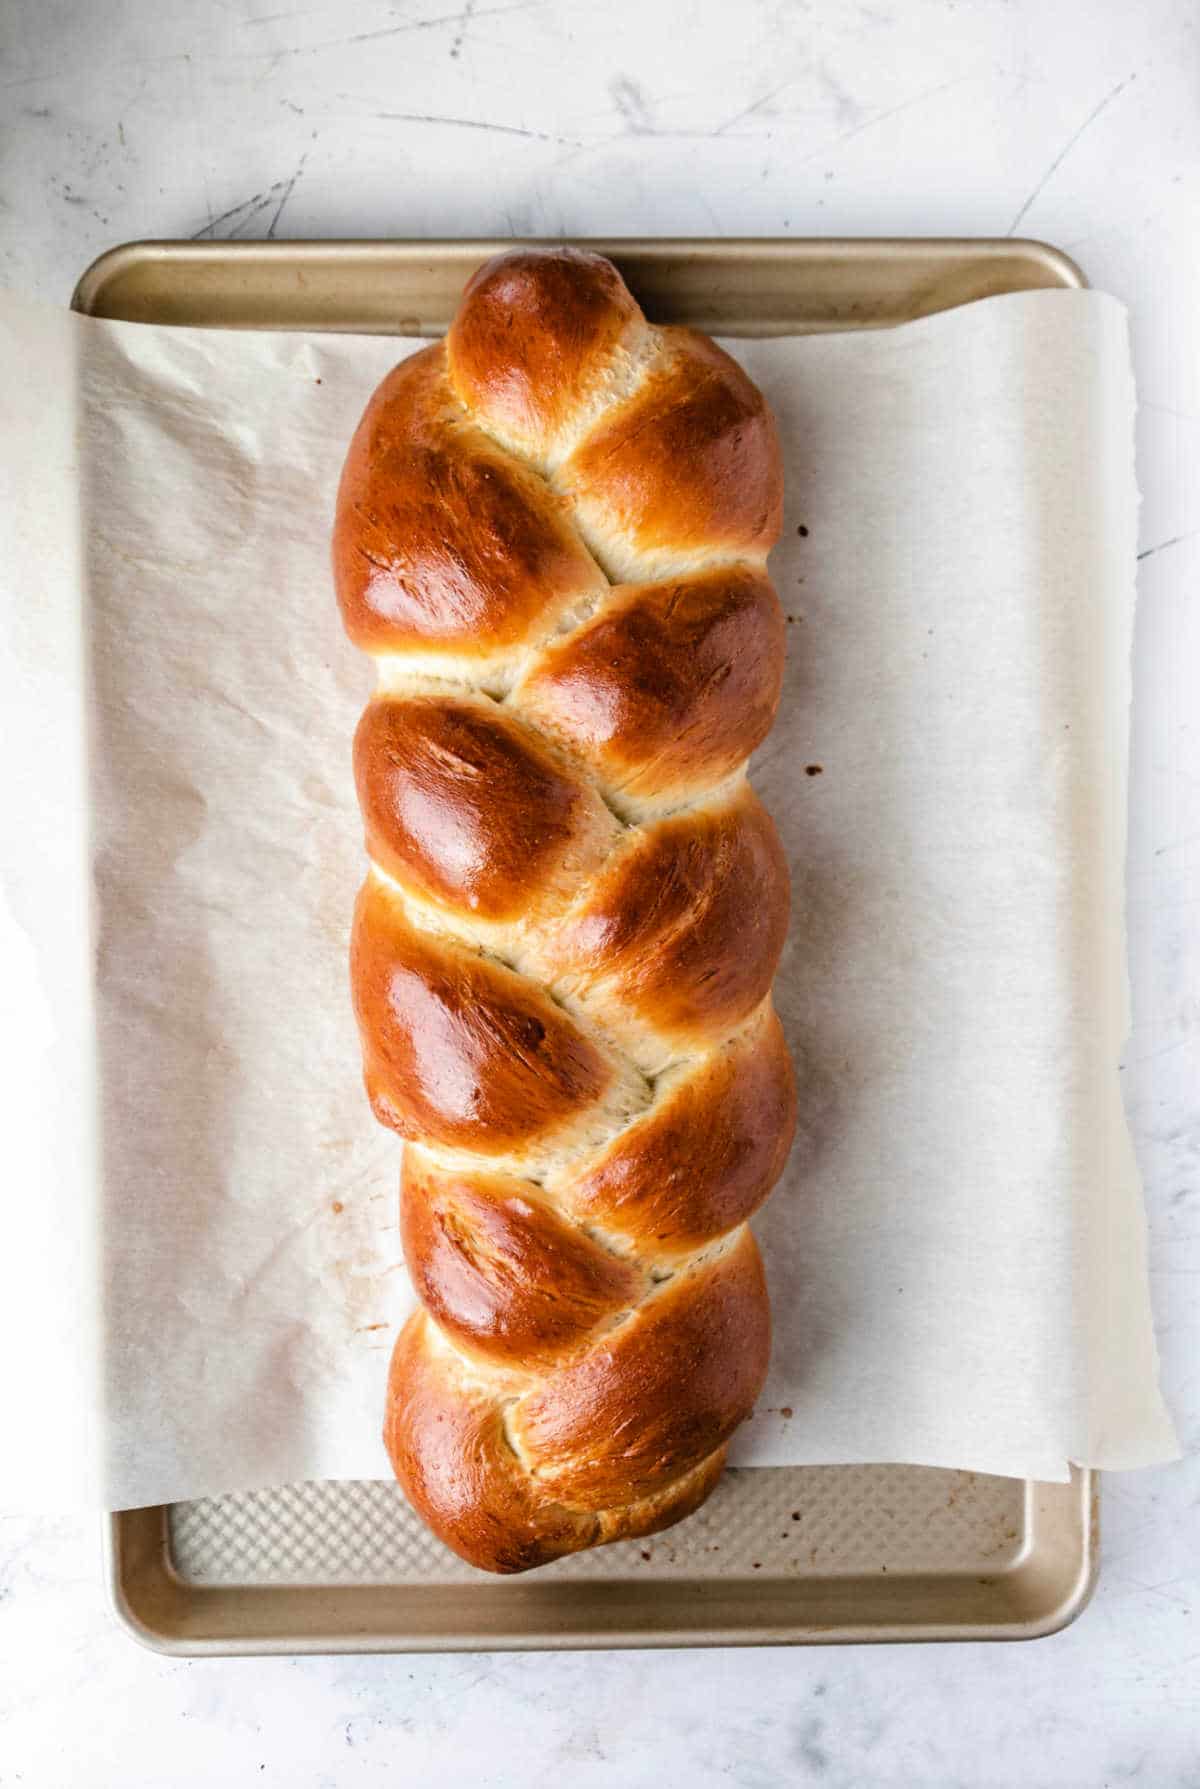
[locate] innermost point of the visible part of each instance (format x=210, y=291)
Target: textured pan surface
x=796, y=1554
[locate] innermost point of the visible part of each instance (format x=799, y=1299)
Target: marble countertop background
x=1078, y=123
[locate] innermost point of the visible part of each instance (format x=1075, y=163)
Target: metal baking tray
x=779, y=1554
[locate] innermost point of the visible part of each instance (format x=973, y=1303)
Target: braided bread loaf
x=551, y=534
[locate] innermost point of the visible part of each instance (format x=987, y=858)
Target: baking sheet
x=802, y=1553
x=987, y=495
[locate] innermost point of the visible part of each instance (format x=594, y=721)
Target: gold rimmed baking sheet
x=779, y=1554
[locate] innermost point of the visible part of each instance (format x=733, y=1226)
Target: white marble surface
x=1075, y=122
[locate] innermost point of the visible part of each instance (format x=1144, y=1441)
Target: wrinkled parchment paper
x=206, y=1274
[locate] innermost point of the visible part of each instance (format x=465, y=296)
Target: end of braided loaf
x=551, y=536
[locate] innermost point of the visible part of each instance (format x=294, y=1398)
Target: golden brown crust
x=562, y=956
x=456, y=1048
x=442, y=540
x=659, y=1394
x=670, y=683
x=689, y=465
x=533, y=336
x=705, y=1156
x=462, y=805
x=662, y=1509
x=446, y=1440
x=501, y=1271
x=685, y=927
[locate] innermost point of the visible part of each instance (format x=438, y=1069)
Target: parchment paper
x=206, y=1278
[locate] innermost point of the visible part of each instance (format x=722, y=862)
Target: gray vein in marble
x=1066, y=149
x=1149, y=552
x=503, y=130
x=463, y=14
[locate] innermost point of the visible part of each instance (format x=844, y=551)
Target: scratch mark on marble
x=28, y=81
x=464, y=22
x=244, y=212
x=1149, y=552
x=269, y=18
x=1167, y=1589
x=504, y=130
x=285, y=196
x=905, y=105
x=445, y=18
x=637, y=118
x=1169, y=410
x=1066, y=149
x=750, y=111
x=711, y=215
x=1178, y=845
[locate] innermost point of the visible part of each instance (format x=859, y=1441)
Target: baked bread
x=551, y=537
